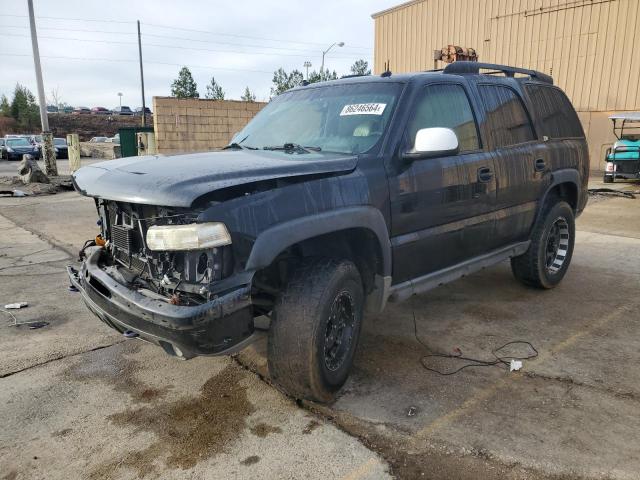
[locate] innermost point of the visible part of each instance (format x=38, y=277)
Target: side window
x=446, y=106
x=508, y=121
x=556, y=115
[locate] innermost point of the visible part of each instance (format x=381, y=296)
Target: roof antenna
x=387, y=69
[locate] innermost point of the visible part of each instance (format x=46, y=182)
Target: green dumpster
x=128, y=142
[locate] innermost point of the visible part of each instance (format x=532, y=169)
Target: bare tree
x=56, y=97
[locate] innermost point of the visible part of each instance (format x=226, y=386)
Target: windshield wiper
x=293, y=147
x=236, y=145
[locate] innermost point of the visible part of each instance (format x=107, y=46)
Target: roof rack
x=474, y=67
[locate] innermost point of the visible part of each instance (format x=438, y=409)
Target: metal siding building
x=586, y=45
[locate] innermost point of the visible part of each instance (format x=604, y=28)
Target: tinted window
x=508, y=121
x=554, y=112
x=446, y=106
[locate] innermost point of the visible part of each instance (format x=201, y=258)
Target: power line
x=186, y=30
x=120, y=42
x=120, y=60
x=169, y=37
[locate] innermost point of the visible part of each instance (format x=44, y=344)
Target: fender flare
x=274, y=240
x=567, y=175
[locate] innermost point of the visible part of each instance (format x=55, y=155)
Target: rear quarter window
x=554, y=112
x=508, y=120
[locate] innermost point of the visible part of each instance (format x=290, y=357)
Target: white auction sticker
x=363, y=109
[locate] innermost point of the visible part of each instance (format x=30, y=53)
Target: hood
x=178, y=180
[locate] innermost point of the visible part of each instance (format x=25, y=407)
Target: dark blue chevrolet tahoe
x=336, y=198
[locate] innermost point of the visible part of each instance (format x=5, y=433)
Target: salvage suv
x=336, y=198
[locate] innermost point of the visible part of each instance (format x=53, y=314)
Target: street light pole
x=47, y=144
x=120, y=98
x=307, y=64
x=339, y=44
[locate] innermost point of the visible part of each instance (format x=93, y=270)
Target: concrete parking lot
x=81, y=402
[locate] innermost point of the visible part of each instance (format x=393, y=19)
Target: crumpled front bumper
x=221, y=326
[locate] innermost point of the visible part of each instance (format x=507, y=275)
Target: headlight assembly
x=195, y=236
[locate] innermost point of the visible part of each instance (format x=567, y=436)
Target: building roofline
x=393, y=9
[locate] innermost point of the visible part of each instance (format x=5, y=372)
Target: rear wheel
x=315, y=329
x=546, y=261
x=608, y=179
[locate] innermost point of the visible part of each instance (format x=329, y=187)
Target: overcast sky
x=248, y=40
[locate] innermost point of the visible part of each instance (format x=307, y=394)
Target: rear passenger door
x=519, y=162
x=441, y=207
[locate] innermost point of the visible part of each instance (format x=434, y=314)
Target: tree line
x=185, y=86
x=22, y=108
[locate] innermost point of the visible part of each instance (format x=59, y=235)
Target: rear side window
x=508, y=120
x=555, y=114
x=446, y=106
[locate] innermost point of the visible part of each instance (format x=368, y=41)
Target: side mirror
x=433, y=142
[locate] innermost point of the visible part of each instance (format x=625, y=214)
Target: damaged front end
x=167, y=278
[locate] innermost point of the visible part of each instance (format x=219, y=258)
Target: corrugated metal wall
x=586, y=45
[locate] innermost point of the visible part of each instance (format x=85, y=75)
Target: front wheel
x=315, y=329
x=547, y=260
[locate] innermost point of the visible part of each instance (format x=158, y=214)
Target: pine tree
x=214, y=91
x=5, y=108
x=283, y=81
x=247, y=96
x=24, y=107
x=360, y=67
x=184, y=86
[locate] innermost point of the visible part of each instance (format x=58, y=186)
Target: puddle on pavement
x=112, y=366
x=187, y=430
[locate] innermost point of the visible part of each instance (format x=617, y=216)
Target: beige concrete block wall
x=185, y=125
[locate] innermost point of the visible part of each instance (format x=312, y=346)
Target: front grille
x=124, y=238
x=130, y=261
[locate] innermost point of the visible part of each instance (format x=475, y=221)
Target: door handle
x=539, y=165
x=485, y=175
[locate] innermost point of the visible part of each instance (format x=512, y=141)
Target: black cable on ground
x=473, y=362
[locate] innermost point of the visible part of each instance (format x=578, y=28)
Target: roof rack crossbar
x=474, y=67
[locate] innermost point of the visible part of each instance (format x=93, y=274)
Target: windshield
x=335, y=118
x=18, y=142
x=60, y=141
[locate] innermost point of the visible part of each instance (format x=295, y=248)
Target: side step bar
x=422, y=284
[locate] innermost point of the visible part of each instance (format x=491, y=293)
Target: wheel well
x=360, y=245
x=567, y=191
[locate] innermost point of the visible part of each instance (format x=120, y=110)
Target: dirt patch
x=187, y=430
x=111, y=366
x=62, y=433
x=311, y=426
x=252, y=460
x=12, y=475
x=488, y=313
x=262, y=430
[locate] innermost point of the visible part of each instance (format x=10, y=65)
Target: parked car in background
x=36, y=140
x=123, y=110
x=99, y=140
x=100, y=111
x=67, y=109
x=81, y=111
x=61, y=147
x=15, y=148
x=114, y=139
x=139, y=111
x=2, y=140
x=52, y=109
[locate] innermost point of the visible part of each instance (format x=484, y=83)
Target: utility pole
x=144, y=108
x=47, y=147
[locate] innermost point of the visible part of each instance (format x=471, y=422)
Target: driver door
x=441, y=207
